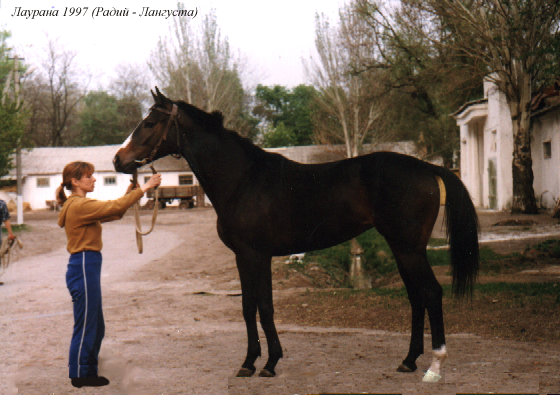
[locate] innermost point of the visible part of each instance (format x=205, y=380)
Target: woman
x=81, y=217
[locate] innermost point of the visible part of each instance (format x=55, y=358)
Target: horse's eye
x=149, y=124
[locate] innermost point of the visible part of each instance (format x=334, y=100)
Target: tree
x=131, y=89
x=130, y=81
x=514, y=40
x=12, y=113
x=202, y=70
x=347, y=106
x=53, y=93
x=423, y=83
x=103, y=119
x=287, y=114
x=65, y=91
x=12, y=125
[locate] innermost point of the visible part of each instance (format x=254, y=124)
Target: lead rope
x=139, y=232
x=5, y=252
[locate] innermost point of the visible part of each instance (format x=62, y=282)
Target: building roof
x=541, y=102
x=325, y=153
x=51, y=160
x=467, y=105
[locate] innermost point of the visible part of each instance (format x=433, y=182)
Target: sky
x=272, y=36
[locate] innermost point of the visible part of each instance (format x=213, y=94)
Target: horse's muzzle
x=121, y=168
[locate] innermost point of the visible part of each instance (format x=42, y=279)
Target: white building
x=42, y=168
x=487, y=145
x=42, y=173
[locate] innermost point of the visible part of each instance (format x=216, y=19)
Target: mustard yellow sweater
x=82, y=217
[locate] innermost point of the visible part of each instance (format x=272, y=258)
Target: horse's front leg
x=266, y=313
x=247, y=275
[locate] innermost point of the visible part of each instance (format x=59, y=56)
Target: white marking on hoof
x=437, y=360
x=431, y=377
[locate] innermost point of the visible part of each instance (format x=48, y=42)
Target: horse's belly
x=319, y=235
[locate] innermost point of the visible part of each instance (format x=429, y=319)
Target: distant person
x=82, y=217
x=5, y=218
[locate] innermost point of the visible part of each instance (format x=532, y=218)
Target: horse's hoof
x=406, y=369
x=245, y=372
x=266, y=373
x=431, y=377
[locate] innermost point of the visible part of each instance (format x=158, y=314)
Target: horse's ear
x=154, y=96
x=160, y=98
x=160, y=95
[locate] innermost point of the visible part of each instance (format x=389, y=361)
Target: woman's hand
x=154, y=181
x=131, y=187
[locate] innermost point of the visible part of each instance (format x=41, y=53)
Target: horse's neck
x=218, y=164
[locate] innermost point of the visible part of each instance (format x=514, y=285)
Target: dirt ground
x=174, y=323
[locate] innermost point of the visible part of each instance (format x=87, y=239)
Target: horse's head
x=156, y=136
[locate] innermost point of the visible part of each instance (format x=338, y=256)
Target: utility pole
x=19, y=164
x=19, y=202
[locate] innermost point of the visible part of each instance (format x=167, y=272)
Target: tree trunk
x=524, y=201
x=357, y=277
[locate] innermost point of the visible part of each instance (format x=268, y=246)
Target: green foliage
x=279, y=136
x=12, y=124
x=334, y=260
x=288, y=113
x=550, y=246
x=423, y=83
x=5, y=64
x=377, y=258
x=104, y=119
x=519, y=289
x=12, y=116
x=18, y=228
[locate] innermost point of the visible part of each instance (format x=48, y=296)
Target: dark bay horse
x=270, y=206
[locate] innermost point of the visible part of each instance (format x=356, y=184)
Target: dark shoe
x=90, y=382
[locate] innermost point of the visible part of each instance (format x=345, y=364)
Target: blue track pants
x=83, y=279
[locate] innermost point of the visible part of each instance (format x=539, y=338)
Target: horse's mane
x=214, y=123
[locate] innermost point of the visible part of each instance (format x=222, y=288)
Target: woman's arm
x=94, y=210
x=8, y=224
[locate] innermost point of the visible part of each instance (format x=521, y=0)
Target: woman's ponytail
x=60, y=195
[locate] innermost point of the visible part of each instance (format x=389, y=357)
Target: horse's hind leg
x=417, y=336
x=425, y=291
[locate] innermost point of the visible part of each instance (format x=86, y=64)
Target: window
x=109, y=180
x=43, y=182
x=547, y=150
x=185, y=179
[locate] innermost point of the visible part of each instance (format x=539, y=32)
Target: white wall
x=471, y=122
x=499, y=121
x=546, y=128
x=37, y=196
x=487, y=135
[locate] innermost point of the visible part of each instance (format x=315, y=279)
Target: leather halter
x=173, y=116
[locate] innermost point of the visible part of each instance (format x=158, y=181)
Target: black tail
x=462, y=233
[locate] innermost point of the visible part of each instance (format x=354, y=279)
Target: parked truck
x=185, y=193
